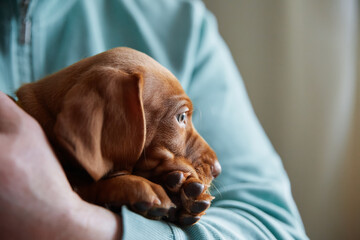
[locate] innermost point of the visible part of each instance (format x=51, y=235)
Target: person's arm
x=253, y=196
x=36, y=200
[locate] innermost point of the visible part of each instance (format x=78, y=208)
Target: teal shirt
x=253, y=195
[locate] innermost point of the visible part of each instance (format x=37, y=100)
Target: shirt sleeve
x=253, y=197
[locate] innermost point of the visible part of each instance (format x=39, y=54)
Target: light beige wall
x=299, y=62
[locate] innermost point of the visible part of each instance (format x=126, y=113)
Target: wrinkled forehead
x=161, y=80
x=163, y=89
x=164, y=92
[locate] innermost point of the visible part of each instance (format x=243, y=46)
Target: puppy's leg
x=186, y=186
x=141, y=195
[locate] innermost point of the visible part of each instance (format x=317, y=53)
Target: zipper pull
x=25, y=32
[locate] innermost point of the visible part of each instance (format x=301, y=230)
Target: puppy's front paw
x=190, y=197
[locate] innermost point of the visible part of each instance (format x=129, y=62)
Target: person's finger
x=5, y=104
x=6, y=100
x=9, y=114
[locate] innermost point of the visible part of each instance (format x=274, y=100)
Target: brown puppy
x=120, y=124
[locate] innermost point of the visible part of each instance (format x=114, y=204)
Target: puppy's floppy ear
x=102, y=122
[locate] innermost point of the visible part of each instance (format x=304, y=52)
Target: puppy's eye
x=181, y=118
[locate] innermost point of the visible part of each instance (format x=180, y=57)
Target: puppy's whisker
x=213, y=187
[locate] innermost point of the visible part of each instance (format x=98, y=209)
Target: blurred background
x=299, y=60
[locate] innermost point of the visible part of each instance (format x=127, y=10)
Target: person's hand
x=36, y=200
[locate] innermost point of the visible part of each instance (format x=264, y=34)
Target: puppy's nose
x=216, y=169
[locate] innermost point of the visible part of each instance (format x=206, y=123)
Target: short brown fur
x=112, y=120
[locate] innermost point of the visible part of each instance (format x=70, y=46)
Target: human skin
x=36, y=200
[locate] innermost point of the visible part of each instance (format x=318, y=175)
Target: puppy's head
x=121, y=110
x=172, y=143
